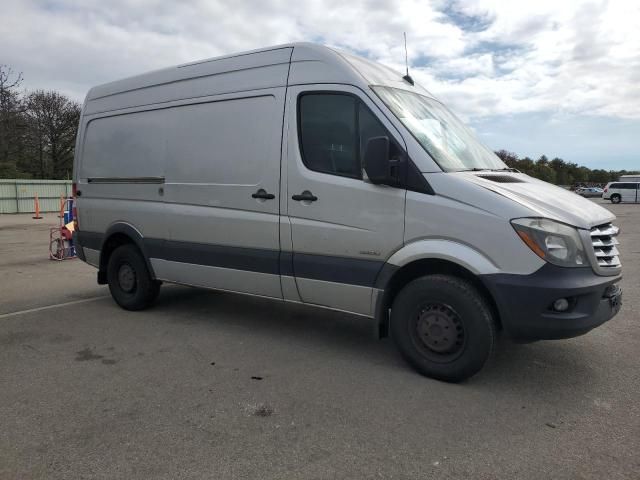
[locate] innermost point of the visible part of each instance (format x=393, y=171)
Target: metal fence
x=17, y=196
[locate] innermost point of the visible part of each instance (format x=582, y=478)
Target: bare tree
x=11, y=121
x=52, y=122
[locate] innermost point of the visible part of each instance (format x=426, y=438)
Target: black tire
x=130, y=283
x=443, y=327
x=615, y=198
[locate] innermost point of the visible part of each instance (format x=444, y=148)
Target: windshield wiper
x=477, y=169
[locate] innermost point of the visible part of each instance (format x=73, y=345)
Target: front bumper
x=525, y=302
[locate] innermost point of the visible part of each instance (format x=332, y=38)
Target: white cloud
x=581, y=57
x=575, y=57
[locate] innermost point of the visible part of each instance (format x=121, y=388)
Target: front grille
x=603, y=238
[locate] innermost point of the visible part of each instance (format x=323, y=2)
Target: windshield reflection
x=450, y=143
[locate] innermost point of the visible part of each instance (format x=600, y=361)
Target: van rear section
x=303, y=174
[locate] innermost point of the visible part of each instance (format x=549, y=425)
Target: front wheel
x=443, y=327
x=130, y=283
x=615, y=198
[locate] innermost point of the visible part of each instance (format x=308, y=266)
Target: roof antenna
x=407, y=78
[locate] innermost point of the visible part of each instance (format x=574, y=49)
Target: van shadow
x=276, y=321
x=554, y=366
x=544, y=368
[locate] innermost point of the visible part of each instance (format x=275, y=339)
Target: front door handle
x=305, y=196
x=262, y=193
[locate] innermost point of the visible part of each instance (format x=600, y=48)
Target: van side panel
x=219, y=155
x=470, y=234
x=120, y=171
x=184, y=175
x=199, y=79
x=341, y=240
x=126, y=145
x=232, y=280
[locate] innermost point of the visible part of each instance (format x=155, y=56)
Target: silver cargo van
x=305, y=174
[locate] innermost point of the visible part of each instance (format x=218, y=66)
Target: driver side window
x=328, y=138
x=334, y=129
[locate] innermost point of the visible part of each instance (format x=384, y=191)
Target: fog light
x=561, y=305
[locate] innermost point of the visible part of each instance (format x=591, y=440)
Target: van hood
x=543, y=199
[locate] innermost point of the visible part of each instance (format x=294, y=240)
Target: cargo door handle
x=305, y=196
x=262, y=193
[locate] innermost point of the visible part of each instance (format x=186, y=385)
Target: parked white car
x=622, y=192
x=589, y=192
x=304, y=174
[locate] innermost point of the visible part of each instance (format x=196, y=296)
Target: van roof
x=289, y=64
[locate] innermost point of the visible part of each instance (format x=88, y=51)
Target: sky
x=553, y=77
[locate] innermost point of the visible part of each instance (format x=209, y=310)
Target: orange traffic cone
x=37, y=208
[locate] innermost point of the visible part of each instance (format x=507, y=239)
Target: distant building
x=629, y=178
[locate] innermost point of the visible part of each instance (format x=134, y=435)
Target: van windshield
x=450, y=143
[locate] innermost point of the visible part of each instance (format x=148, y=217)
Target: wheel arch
x=118, y=234
x=425, y=258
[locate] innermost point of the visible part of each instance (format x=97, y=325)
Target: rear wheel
x=130, y=283
x=443, y=327
x=615, y=198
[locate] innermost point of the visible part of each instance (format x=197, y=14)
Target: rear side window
x=334, y=131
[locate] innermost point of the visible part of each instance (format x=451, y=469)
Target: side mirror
x=378, y=164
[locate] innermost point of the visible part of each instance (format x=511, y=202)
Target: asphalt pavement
x=216, y=385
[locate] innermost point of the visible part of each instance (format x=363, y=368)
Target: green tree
x=562, y=171
x=511, y=159
x=558, y=171
x=544, y=172
x=599, y=176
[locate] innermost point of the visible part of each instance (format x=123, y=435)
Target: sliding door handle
x=262, y=193
x=305, y=196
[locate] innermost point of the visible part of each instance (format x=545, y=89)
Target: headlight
x=555, y=242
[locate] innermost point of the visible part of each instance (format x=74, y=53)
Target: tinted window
x=370, y=127
x=334, y=131
x=328, y=134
